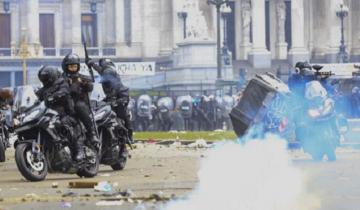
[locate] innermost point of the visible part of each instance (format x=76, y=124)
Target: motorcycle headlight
x=16, y=122
x=99, y=115
x=33, y=115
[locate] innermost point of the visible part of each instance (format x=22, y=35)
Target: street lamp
x=183, y=14
x=6, y=5
x=24, y=54
x=342, y=13
x=218, y=4
x=93, y=6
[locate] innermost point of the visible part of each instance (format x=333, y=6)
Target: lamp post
x=183, y=15
x=24, y=54
x=93, y=6
x=218, y=4
x=6, y=5
x=342, y=13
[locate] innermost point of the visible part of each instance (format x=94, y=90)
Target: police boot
x=79, y=150
x=94, y=140
x=130, y=136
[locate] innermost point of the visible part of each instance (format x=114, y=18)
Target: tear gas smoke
x=254, y=176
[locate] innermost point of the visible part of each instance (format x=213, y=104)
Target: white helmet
x=314, y=89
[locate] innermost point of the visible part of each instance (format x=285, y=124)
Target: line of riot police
x=181, y=113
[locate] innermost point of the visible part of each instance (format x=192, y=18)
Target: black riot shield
x=257, y=99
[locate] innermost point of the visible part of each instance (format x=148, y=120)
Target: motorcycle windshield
x=166, y=102
x=98, y=93
x=25, y=97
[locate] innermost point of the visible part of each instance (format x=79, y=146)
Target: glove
x=89, y=62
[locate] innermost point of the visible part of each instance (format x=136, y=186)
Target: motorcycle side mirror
x=317, y=67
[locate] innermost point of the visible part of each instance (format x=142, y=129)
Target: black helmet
x=299, y=65
x=70, y=58
x=104, y=62
x=48, y=75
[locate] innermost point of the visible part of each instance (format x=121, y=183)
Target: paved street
x=170, y=171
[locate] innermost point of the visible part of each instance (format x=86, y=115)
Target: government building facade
x=256, y=36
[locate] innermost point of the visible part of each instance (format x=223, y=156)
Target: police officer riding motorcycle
x=49, y=137
x=116, y=92
x=80, y=87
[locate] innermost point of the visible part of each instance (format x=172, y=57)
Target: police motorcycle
x=184, y=105
x=144, y=115
x=45, y=143
x=6, y=122
x=5, y=125
x=112, y=132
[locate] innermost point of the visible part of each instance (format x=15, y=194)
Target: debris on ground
x=110, y=203
x=55, y=185
x=176, y=144
x=105, y=175
x=78, y=184
x=69, y=194
x=151, y=141
x=32, y=196
x=127, y=193
x=103, y=186
x=65, y=205
x=158, y=196
x=201, y=143
x=115, y=184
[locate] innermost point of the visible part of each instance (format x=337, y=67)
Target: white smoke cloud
x=254, y=176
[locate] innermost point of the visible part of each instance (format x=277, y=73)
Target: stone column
x=259, y=56
x=298, y=51
x=333, y=31
x=177, y=25
x=119, y=26
x=76, y=27
x=244, y=16
x=15, y=33
x=355, y=17
x=166, y=24
x=273, y=28
x=58, y=29
x=32, y=26
x=281, y=45
x=238, y=30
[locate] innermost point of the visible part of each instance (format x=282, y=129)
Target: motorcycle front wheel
x=120, y=165
x=32, y=168
x=91, y=168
